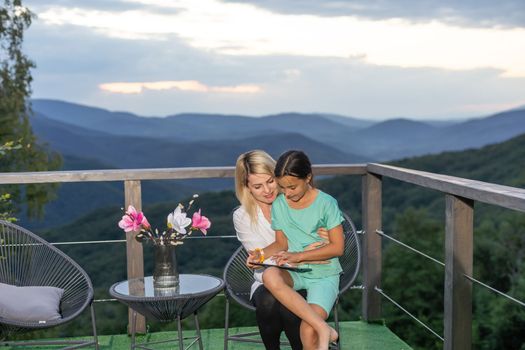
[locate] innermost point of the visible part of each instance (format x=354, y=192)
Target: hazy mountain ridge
x=143, y=152
x=400, y=138
x=348, y=121
x=85, y=149
x=391, y=139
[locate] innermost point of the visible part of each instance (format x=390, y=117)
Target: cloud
x=73, y=60
x=242, y=29
x=182, y=85
x=292, y=74
x=488, y=13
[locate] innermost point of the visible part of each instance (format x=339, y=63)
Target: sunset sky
x=369, y=59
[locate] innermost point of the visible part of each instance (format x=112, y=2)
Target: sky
x=370, y=59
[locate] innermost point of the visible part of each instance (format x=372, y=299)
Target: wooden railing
x=460, y=195
x=133, y=195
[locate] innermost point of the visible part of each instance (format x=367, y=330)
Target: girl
x=256, y=189
x=296, y=216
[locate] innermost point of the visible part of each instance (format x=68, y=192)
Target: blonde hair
x=252, y=162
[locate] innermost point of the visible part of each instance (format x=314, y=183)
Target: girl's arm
x=280, y=244
x=334, y=247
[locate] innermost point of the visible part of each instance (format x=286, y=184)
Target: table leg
x=179, y=328
x=198, y=330
x=133, y=329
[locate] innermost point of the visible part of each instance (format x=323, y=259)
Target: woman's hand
x=317, y=245
x=253, y=256
x=323, y=233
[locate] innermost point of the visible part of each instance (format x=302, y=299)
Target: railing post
x=134, y=253
x=372, y=259
x=458, y=261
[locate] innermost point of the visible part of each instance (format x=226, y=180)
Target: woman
x=256, y=189
x=296, y=216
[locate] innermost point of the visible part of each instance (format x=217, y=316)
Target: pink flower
x=200, y=222
x=133, y=220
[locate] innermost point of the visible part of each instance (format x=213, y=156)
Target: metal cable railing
x=381, y=233
x=380, y=291
x=124, y=241
x=472, y=279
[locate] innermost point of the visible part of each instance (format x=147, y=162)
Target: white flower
x=178, y=220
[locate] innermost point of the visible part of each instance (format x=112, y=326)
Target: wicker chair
x=238, y=279
x=28, y=260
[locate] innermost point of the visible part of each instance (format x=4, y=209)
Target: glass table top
x=189, y=284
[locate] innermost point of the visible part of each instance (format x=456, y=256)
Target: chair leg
x=336, y=323
x=226, y=322
x=94, y=325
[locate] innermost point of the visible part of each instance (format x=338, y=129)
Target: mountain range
x=94, y=138
x=346, y=138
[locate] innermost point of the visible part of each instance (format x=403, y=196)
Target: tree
x=5, y=198
x=15, y=111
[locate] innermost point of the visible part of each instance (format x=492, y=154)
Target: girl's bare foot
x=333, y=335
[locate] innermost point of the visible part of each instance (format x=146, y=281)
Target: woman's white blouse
x=256, y=235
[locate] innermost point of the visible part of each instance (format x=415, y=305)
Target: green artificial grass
x=355, y=335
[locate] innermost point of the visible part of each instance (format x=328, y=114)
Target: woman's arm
x=249, y=238
x=244, y=231
x=334, y=247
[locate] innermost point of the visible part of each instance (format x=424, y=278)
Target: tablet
x=285, y=267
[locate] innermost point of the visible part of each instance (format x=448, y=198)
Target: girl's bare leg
x=279, y=283
x=309, y=335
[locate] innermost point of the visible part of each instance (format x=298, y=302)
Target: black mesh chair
x=28, y=260
x=238, y=279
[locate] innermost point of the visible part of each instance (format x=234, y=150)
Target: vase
x=165, y=273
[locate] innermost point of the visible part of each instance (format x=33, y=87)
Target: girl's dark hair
x=294, y=163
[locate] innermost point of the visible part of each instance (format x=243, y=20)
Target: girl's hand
x=285, y=257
